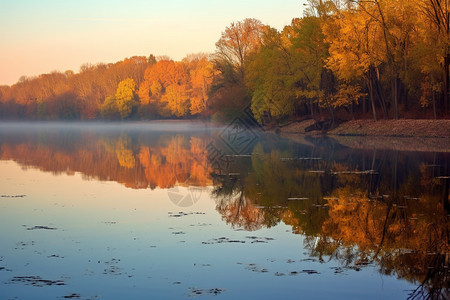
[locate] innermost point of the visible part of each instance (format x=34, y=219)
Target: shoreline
x=401, y=135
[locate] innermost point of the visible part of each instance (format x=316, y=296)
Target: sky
x=42, y=36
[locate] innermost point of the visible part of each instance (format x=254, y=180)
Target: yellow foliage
x=347, y=94
x=124, y=155
x=156, y=88
x=125, y=97
x=177, y=100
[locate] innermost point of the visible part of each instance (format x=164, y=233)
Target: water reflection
x=393, y=206
x=373, y=207
x=137, y=159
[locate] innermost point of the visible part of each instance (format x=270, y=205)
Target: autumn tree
x=352, y=57
x=177, y=88
x=126, y=97
x=389, y=35
x=158, y=77
x=237, y=42
x=177, y=100
x=201, y=75
x=165, y=72
x=433, y=53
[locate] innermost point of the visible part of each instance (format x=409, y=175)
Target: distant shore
x=402, y=135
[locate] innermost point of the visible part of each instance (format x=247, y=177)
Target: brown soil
x=402, y=135
x=296, y=127
x=396, y=128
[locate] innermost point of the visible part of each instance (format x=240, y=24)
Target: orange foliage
x=202, y=74
x=238, y=41
x=166, y=72
x=354, y=219
x=85, y=91
x=171, y=163
x=175, y=164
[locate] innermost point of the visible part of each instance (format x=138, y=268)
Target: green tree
x=109, y=108
x=269, y=77
x=309, y=54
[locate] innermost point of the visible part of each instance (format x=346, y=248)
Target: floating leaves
x=36, y=281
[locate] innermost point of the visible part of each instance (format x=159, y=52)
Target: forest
x=344, y=59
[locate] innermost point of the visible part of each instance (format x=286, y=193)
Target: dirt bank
x=402, y=135
x=386, y=128
x=394, y=128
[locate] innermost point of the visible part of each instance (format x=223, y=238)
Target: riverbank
x=385, y=128
x=394, y=128
x=402, y=135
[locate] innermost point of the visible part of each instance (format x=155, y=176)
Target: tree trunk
x=446, y=82
x=395, y=96
x=406, y=98
x=375, y=77
x=381, y=98
x=372, y=101
x=332, y=116
x=434, y=105
x=364, y=105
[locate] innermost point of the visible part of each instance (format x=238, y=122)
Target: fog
x=153, y=126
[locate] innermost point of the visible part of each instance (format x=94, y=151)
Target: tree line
x=343, y=59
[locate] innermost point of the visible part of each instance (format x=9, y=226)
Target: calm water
x=177, y=210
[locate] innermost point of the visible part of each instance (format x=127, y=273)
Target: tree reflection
x=379, y=208
x=232, y=201
x=175, y=160
x=135, y=161
x=382, y=208
x=124, y=153
x=236, y=208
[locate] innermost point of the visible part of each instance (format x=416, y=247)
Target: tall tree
x=201, y=75
x=310, y=52
x=237, y=42
x=351, y=49
x=270, y=78
x=437, y=12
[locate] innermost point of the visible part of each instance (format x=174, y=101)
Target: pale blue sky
x=39, y=36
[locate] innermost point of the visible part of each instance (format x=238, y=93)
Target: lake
x=174, y=210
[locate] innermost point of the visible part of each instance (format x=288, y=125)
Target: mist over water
x=163, y=125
